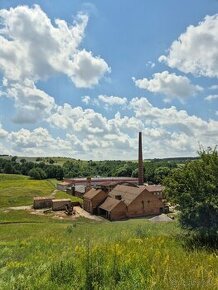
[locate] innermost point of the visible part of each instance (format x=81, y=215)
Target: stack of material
x=61, y=204
x=42, y=202
x=161, y=218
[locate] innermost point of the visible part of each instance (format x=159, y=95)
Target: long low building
x=95, y=181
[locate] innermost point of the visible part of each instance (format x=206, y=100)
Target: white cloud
x=38, y=142
x=87, y=70
x=87, y=134
x=211, y=98
x=167, y=131
x=33, y=48
x=86, y=100
x=150, y=64
x=31, y=104
x=112, y=100
x=171, y=85
x=3, y=133
x=214, y=87
x=196, y=51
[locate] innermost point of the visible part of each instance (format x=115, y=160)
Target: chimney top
x=140, y=162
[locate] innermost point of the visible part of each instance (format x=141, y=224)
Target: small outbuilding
x=42, y=202
x=92, y=199
x=61, y=204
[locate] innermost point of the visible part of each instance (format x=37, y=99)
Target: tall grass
x=133, y=254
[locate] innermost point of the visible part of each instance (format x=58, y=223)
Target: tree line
x=36, y=170
x=154, y=171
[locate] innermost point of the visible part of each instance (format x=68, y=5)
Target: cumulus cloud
x=169, y=84
x=214, y=87
x=112, y=100
x=32, y=47
x=90, y=135
x=31, y=104
x=37, y=142
x=86, y=100
x=165, y=130
x=211, y=98
x=3, y=133
x=87, y=70
x=195, y=51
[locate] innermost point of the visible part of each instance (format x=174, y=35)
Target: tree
x=59, y=173
x=14, y=158
x=160, y=173
x=51, y=161
x=194, y=187
x=37, y=173
x=8, y=168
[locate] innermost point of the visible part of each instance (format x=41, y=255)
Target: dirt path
x=23, y=207
x=81, y=212
x=54, y=193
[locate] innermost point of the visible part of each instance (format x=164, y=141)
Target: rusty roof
x=92, y=193
x=100, y=180
x=154, y=188
x=110, y=203
x=127, y=193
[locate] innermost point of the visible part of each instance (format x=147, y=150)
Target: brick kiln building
x=128, y=202
x=92, y=199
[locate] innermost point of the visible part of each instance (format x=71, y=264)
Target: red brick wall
x=145, y=204
x=119, y=212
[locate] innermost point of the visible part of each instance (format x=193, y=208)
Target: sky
x=81, y=78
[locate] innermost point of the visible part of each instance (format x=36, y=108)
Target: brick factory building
x=128, y=202
x=92, y=199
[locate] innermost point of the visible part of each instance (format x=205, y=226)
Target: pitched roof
x=127, y=193
x=154, y=187
x=110, y=203
x=92, y=193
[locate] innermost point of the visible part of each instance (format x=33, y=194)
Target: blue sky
x=85, y=85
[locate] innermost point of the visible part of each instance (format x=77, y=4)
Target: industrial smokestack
x=140, y=162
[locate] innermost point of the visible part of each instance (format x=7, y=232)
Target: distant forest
x=155, y=170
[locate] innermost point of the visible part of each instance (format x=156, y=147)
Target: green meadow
x=41, y=252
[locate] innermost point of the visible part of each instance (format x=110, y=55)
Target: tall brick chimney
x=140, y=162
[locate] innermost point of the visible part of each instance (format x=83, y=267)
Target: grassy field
x=40, y=252
x=16, y=190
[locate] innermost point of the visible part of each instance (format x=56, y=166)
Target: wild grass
x=40, y=252
x=17, y=190
x=62, y=194
x=134, y=254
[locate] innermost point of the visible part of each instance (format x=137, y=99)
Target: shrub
x=37, y=173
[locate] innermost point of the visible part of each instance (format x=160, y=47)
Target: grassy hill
x=16, y=190
x=40, y=252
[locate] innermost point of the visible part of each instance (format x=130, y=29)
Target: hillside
x=84, y=254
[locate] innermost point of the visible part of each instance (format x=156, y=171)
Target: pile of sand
x=161, y=218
